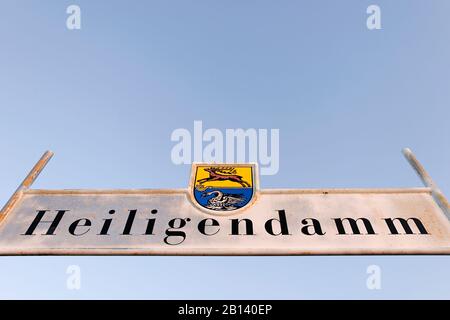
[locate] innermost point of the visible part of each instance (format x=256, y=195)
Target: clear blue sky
x=107, y=97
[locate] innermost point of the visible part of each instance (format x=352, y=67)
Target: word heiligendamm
x=49, y=223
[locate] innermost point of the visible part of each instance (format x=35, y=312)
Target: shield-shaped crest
x=223, y=189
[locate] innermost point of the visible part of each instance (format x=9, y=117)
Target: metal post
x=427, y=181
x=26, y=183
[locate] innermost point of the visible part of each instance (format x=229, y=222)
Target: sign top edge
x=263, y=191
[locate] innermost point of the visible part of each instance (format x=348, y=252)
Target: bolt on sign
x=223, y=212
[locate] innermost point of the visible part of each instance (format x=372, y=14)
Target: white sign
x=280, y=222
x=224, y=213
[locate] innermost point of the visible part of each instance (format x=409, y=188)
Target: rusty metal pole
x=427, y=181
x=26, y=183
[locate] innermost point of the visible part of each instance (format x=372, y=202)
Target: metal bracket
x=427, y=181
x=26, y=183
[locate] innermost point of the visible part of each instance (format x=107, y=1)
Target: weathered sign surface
x=224, y=213
x=279, y=222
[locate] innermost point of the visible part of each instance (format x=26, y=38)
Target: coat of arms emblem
x=223, y=188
